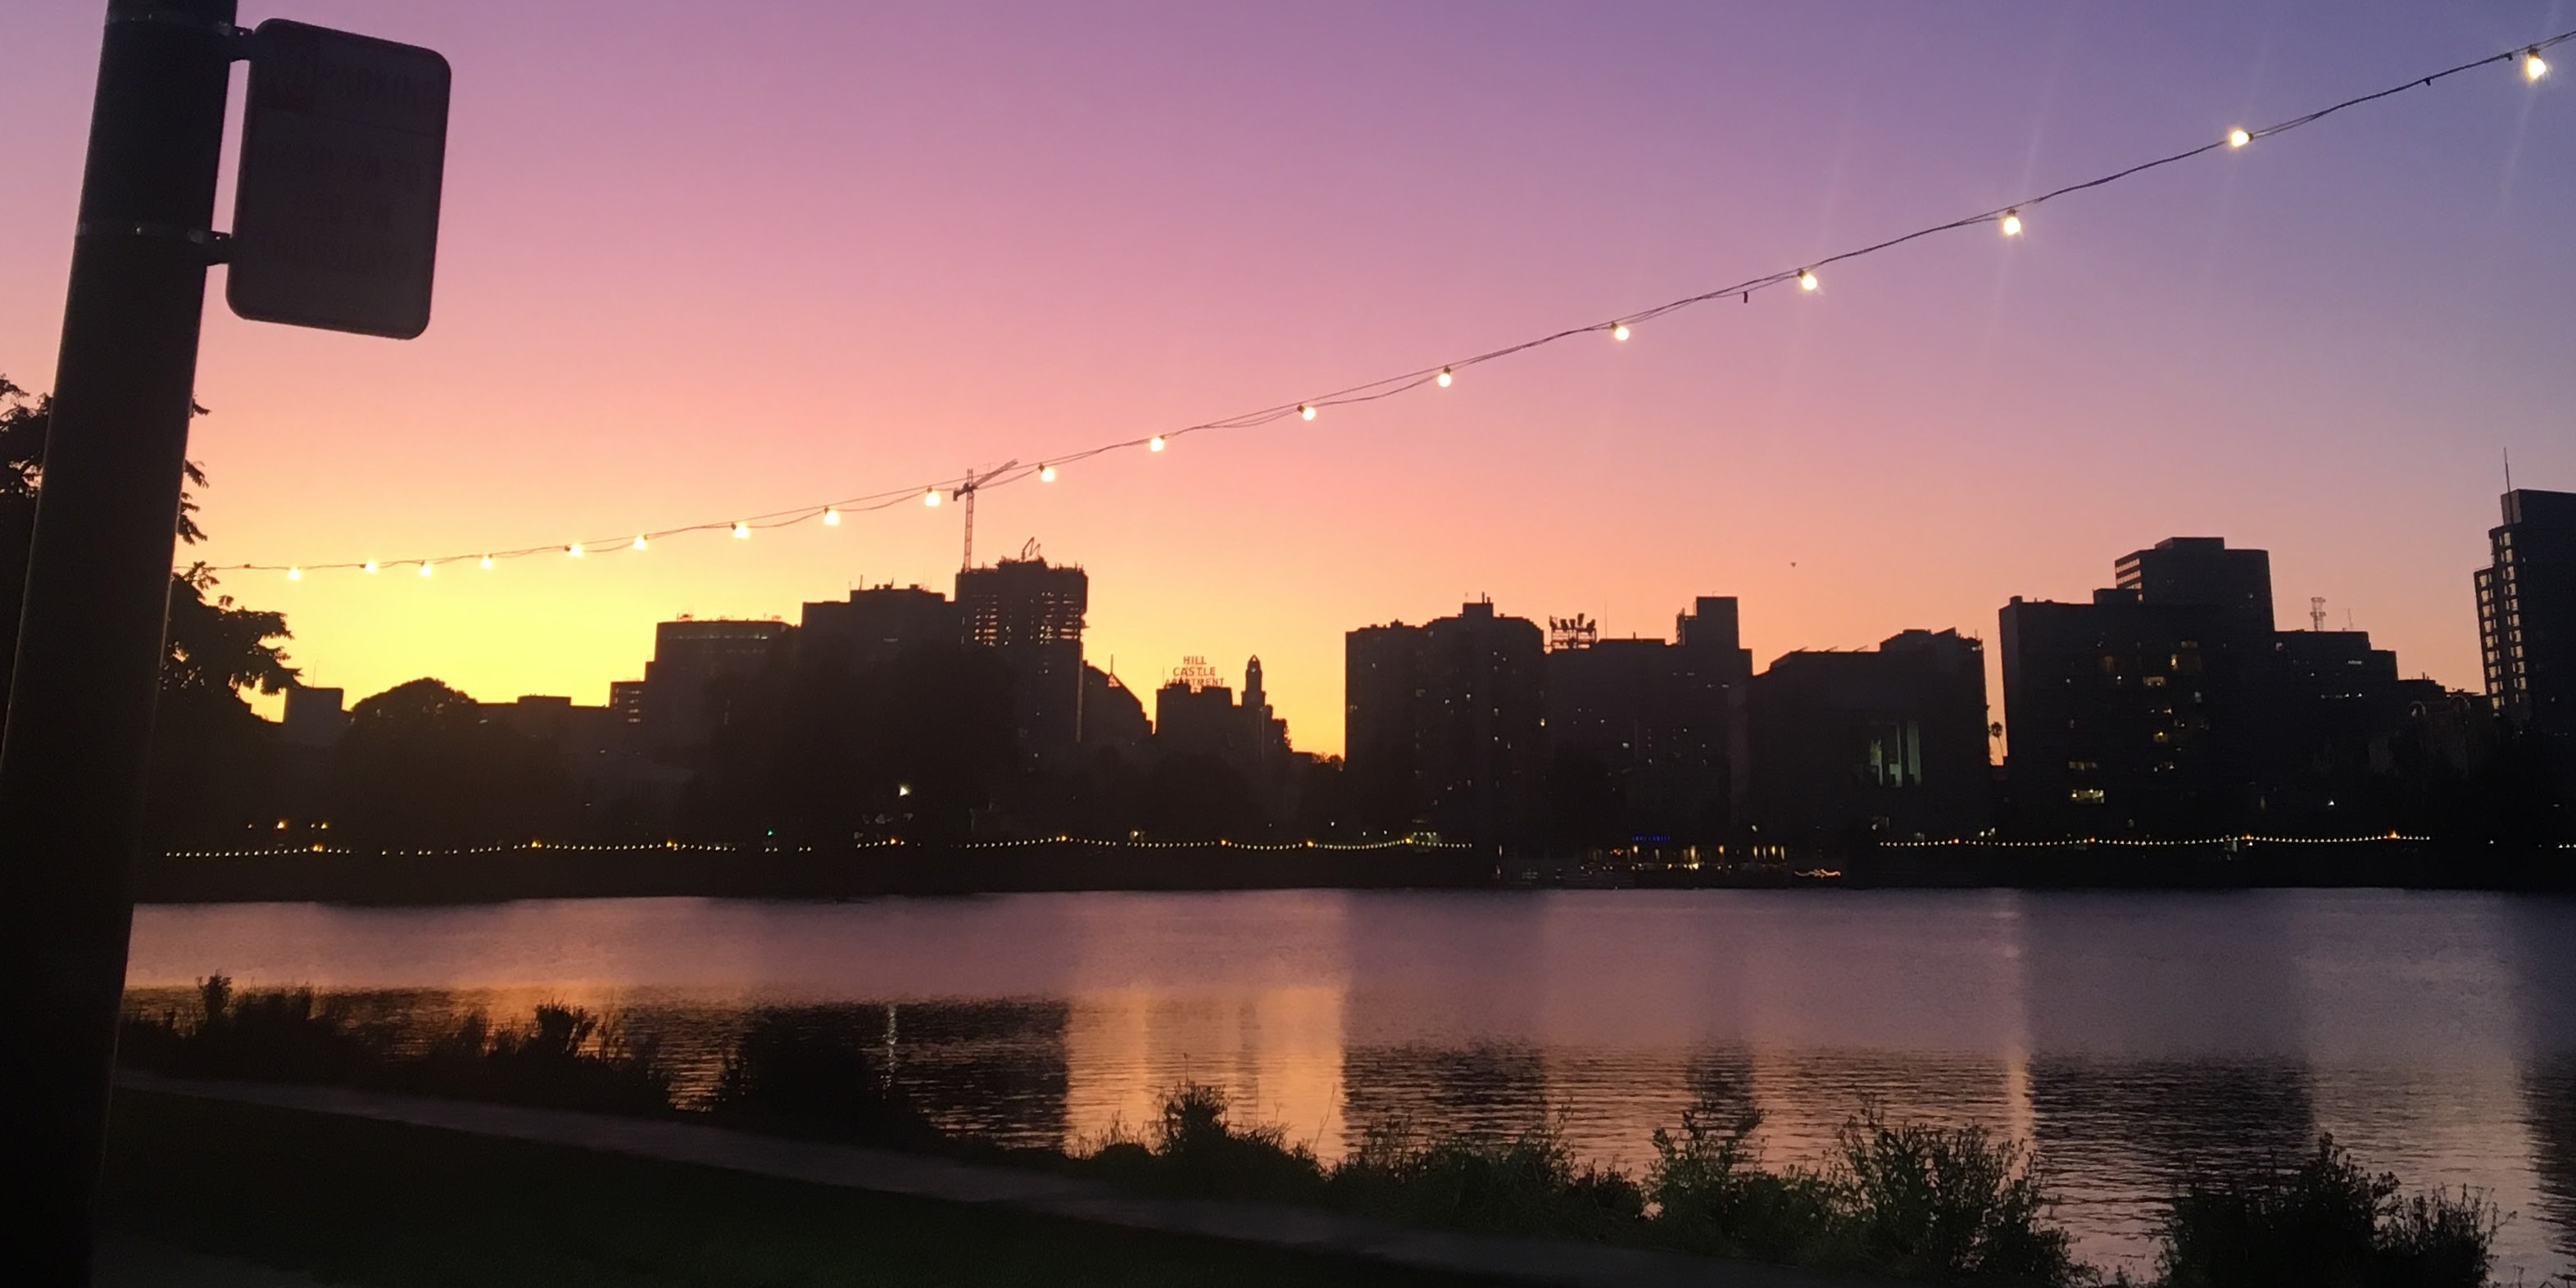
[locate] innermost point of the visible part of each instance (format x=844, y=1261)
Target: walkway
x=852, y=1167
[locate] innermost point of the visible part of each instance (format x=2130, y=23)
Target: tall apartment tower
x=1447, y=722
x=2527, y=612
x=1031, y=612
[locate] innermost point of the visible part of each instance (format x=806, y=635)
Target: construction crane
x=965, y=495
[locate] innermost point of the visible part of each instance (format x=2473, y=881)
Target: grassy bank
x=1942, y=1205
x=388, y=1206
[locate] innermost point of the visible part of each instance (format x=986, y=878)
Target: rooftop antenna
x=966, y=497
x=2316, y=612
x=2508, y=469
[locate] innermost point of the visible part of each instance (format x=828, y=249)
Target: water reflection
x=2131, y=1038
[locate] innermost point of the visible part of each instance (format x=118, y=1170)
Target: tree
x=421, y=767
x=214, y=766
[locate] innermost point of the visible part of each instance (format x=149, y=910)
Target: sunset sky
x=714, y=260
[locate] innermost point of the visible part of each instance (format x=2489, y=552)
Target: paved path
x=129, y=1263
x=1306, y=1229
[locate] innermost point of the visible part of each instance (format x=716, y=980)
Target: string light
x=1046, y=474
x=2008, y=217
x=295, y=574
x=639, y=542
x=574, y=550
x=424, y=567
x=741, y=531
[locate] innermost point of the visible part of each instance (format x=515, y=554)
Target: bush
x=1711, y=1195
x=1525, y=1184
x=805, y=1070
x=1947, y=1204
x=2328, y=1223
x=1195, y=1148
x=567, y=1059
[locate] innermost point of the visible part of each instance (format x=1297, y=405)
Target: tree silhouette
x=421, y=767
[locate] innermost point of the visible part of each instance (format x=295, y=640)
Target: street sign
x=335, y=215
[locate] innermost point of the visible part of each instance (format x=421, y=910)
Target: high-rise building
x=1664, y=720
x=878, y=622
x=2171, y=707
x=2527, y=613
x=2202, y=570
x=1031, y=612
x=1446, y=723
x=680, y=708
x=1888, y=744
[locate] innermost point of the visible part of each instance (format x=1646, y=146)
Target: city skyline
x=1089, y=251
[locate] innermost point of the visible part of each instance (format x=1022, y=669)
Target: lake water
x=2129, y=1037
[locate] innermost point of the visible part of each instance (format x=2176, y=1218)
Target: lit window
x=2086, y=796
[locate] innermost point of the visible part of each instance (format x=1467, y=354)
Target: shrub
x=1197, y=1149
x=1950, y=1204
x=1711, y=1195
x=1526, y=1184
x=2324, y=1222
x=802, y=1070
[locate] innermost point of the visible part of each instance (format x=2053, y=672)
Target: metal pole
x=73, y=757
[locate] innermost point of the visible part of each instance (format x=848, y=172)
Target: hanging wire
x=1391, y=386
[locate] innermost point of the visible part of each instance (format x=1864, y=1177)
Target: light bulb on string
x=1306, y=410
x=295, y=574
x=424, y=567
x=371, y=565
x=574, y=550
x=1046, y=474
x=1443, y=378
x=831, y=517
x=2237, y=138
x=2533, y=65
x=1807, y=279
x=1154, y=444
x=2012, y=223
x=931, y=498
x=741, y=531
x=639, y=542
x=487, y=561
x=1619, y=331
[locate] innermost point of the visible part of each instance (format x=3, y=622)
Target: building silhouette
x=1884, y=744
x=2527, y=612
x=876, y=623
x=2135, y=712
x=1665, y=721
x=2170, y=706
x=1445, y=724
x=1031, y=612
x=1112, y=715
x=680, y=708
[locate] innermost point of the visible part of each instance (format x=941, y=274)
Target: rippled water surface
x=2128, y=1036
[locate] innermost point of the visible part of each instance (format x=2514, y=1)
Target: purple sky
x=714, y=260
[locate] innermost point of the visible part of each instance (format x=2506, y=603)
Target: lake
x=2129, y=1037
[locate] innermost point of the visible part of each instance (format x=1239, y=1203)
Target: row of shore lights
x=2533, y=68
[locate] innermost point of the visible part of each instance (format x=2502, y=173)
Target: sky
x=703, y=262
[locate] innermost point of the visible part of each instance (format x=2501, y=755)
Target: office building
x=682, y=703
x=876, y=623
x=1664, y=720
x=1885, y=744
